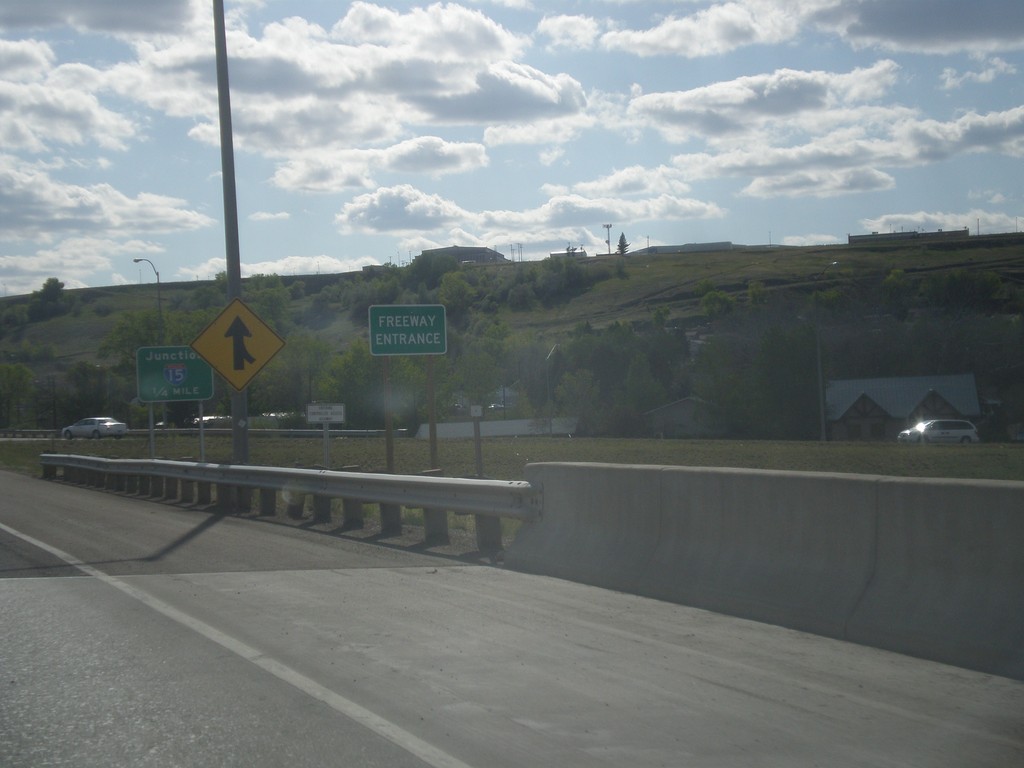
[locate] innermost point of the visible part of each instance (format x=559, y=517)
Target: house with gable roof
x=878, y=409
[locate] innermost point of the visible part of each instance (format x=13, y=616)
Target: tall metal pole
x=822, y=431
x=822, y=427
x=160, y=320
x=159, y=302
x=239, y=400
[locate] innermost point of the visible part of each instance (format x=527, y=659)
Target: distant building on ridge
x=467, y=254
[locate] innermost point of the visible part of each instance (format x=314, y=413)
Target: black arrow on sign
x=237, y=332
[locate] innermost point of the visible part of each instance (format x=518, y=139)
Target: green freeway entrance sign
x=408, y=329
x=172, y=374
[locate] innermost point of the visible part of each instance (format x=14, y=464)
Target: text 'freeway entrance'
x=408, y=329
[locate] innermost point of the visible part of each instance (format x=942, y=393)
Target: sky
x=366, y=132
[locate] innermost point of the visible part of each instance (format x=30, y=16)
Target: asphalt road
x=137, y=633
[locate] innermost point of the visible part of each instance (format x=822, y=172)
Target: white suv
x=940, y=431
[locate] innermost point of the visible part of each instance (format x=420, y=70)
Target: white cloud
x=25, y=60
x=810, y=239
x=951, y=79
x=410, y=211
x=636, y=180
x=744, y=104
x=97, y=15
x=324, y=171
x=33, y=205
x=403, y=209
x=972, y=220
x=712, y=31
x=569, y=33
x=42, y=106
x=74, y=260
x=820, y=182
x=934, y=27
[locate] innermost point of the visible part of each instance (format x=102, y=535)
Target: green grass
x=505, y=458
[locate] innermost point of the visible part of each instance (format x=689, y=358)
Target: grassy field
x=505, y=458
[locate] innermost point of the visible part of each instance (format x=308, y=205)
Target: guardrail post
x=131, y=484
x=187, y=491
x=488, y=533
x=156, y=487
x=145, y=483
x=204, y=493
x=322, y=509
x=234, y=499
x=351, y=514
x=296, y=505
x=268, y=502
x=435, y=521
x=243, y=500
x=390, y=519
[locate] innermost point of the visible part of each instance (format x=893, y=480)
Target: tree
x=456, y=294
x=623, y=246
x=577, y=396
x=717, y=303
x=642, y=390
x=48, y=301
x=785, y=379
x=295, y=377
x=87, y=386
x=15, y=387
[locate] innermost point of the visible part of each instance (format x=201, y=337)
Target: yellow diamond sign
x=237, y=344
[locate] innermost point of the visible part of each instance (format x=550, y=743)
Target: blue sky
x=365, y=132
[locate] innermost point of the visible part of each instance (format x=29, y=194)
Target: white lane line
x=416, y=746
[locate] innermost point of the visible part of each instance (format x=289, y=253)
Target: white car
x=940, y=431
x=96, y=427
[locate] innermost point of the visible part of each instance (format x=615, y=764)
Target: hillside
x=647, y=283
x=626, y=329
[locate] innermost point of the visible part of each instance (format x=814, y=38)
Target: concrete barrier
x=931, y=568
x=949, y=580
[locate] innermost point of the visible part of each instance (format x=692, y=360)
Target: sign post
x=326, y=414
x=476, y=412
x=408, y=329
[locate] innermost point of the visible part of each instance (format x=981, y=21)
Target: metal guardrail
x=487, y=500
x=11, y=432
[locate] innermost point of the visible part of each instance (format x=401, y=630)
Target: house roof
x=899, y=397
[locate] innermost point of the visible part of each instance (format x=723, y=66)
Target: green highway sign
x=408, y=329
x=172, y=374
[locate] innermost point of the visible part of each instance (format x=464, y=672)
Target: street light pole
x=160, y=320
x=159, y=303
